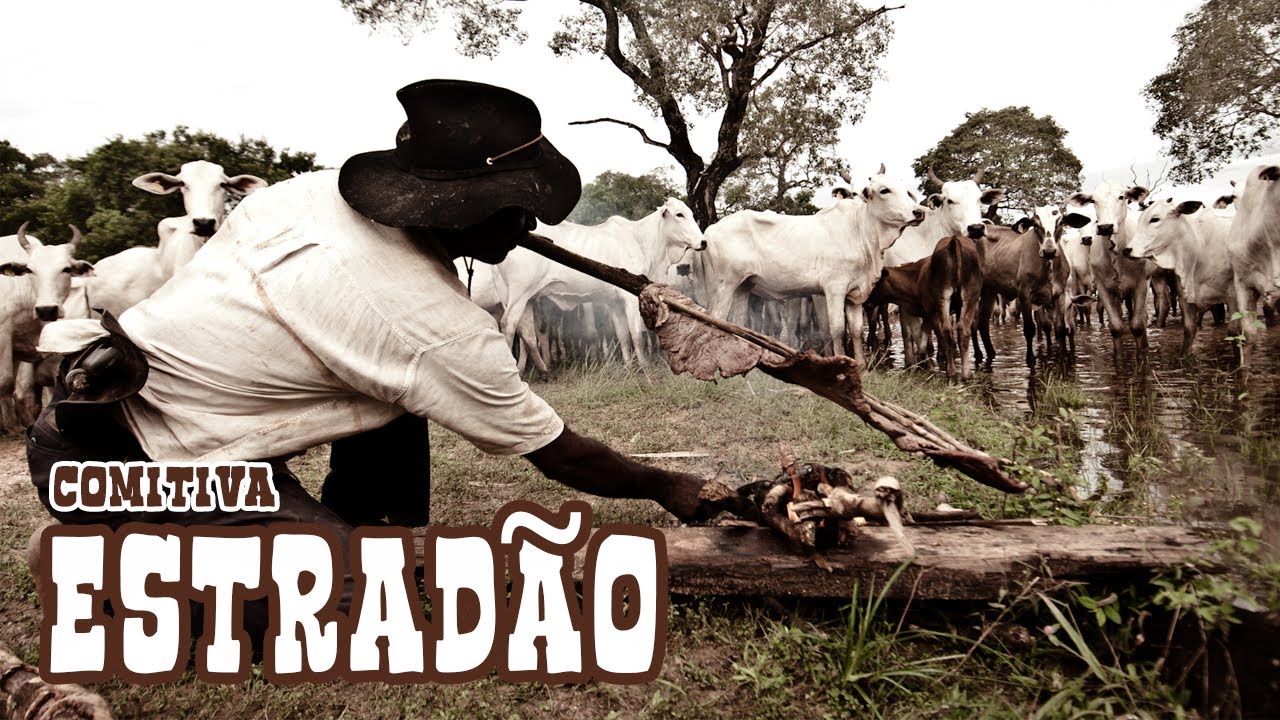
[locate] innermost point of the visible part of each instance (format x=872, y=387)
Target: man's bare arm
x=592, y=467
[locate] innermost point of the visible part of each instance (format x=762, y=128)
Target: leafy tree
x=704, y=57
x=793, y=149
x=615, y=193
x=1220, y=97
x=96, y=193
x=23, y=181
x=1018, y=151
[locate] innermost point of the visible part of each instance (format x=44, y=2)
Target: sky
x=302, y=75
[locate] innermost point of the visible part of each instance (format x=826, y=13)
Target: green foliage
x=1024, y=154
x=95, y=192
x=23, y=183
x=1220, y=97
x=734, y=62
x=616, y=193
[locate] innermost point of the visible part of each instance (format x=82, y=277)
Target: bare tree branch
x=643, y=135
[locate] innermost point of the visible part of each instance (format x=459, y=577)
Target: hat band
x=491, y=165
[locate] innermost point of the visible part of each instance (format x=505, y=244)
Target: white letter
x=465, y=562
x=143, y=555
x=382, y=561
x=222, y=563
x=625, y=651
x=76, y=561
x=291, y=556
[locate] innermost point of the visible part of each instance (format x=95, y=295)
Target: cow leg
x=527, y=331
x=1138, y=320
x=1191, y=316
x=834, y=297
x=635, y=326
x=1115, y=320
x=985, y=306
x=1028, y=329
x=909, y=330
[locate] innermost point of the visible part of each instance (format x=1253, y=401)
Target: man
x=327, y=310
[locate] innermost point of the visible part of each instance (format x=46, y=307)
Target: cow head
x=891, y=202
x=1048, y=222
x=1111, y=202
x=50, y=268
x=1159, y=225
x=680, y=234
x=204, y=187
x=959, y=204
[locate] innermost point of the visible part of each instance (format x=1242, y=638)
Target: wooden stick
x=909, y=431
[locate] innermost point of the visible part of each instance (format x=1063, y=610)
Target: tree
x=1220, y=97
x=23, y=181
x=1018, y=151
x=615, y=193
x=708, y=57
x=793, y=149
x=95, y=192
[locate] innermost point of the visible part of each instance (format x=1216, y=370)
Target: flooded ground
x=1170, y=437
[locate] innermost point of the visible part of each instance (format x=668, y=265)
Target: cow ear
x=1076, y=220
x=866, y=193
x=1223, y=201
x=14, y=269
x=157, y=182
x=80, y=268
x=1024, y=224
x=1188, y=207
x=934, y=201
x=1137, y=193
x=841, y=192
x=244, y=184
x=1271, y=173
x=992, y=196
x=1080, y=199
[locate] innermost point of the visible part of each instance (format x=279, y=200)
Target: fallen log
x=952, y=562
x=706, y=346
x=24, y=695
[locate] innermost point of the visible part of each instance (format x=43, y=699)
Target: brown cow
x=1026, y=262
x=943, y=289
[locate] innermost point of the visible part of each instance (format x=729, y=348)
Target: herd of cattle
x=941, y=263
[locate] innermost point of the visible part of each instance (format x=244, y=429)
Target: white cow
x=650, y=246
x=36, y=284
x=1120, y=280
x=204, y=187
x=837, y=252
x=1253, y=244
x=130, y=276
x=1076, y=244
x=1188, y=239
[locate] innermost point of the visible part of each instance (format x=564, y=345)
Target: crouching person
x=327, y=310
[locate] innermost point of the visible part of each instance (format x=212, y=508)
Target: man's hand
x=592, y=467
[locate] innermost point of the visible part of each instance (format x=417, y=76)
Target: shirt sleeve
x=471, y=386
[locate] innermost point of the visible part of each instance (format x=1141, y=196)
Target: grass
x=866, y=656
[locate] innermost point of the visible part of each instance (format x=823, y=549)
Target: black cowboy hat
x=467, y=151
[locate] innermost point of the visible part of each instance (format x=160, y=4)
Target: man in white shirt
x=327, y=310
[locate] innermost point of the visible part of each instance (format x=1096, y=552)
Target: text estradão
x=118, y=602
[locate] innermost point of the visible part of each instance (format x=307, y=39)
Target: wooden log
x=953, y=562
x=24, y=695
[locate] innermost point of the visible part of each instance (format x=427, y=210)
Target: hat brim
x=375, y=186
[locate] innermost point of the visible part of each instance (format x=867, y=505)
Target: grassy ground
x=1072, y=652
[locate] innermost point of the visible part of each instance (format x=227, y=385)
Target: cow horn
x=22, y=236
x=75, y=237
x=881, y=169
x=977, y=177
x=934, y=178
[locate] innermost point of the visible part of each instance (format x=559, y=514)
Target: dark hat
x=109, y=370
x=467, y=151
